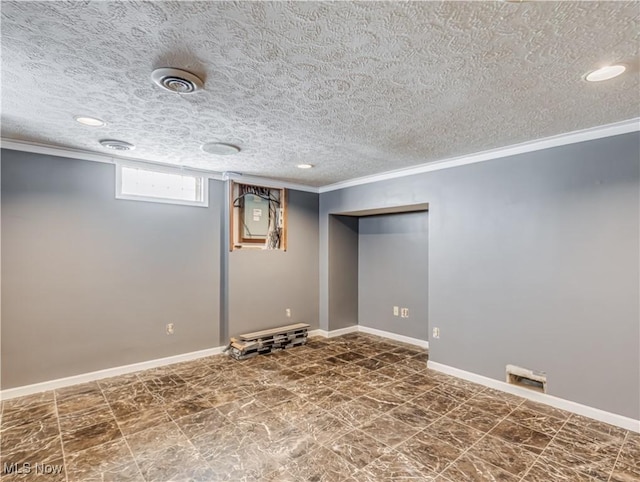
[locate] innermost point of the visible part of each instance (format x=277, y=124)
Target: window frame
x=202, y=180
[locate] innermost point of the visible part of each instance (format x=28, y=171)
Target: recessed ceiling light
x=305, y=166
x=117, y=145
x=89, y=121
x=605, y=73
x=176, y=80
x=220, y=149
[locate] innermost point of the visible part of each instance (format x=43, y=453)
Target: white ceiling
x=355, y=88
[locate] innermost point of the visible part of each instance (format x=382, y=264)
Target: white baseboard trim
x=318, y=332
x=573, y=407
x=371, y=331
x=334, y=333
x=10, y=393
x=106, y=373
x=394, y=336
x=561, y=403
x=343, y=331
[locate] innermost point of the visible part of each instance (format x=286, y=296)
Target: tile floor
x=353, y=408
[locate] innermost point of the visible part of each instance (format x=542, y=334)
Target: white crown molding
x=267, y=182
x=592, y=133
x=561, y=403
x=85, y=155
x=109, y=372
x=37, y=148
x=609, y=130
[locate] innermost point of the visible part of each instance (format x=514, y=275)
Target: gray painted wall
x=392, y=271
x=533, y=260
x=89, y=282
x=263, y=284
x=343, y=272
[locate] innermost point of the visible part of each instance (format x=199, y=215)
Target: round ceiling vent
x=176, y=80
x=117, y=145
x=220, y=149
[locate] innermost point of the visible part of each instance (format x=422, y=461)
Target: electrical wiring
x=262, y=192
x=274, y=233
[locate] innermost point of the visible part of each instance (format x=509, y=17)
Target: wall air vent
x=176, y=80
x=525, y=378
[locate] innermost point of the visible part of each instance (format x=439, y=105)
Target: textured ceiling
x=353, y=88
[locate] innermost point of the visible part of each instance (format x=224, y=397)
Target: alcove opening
x=378, y=270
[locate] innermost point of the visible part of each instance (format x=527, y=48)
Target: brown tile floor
x=354, y=408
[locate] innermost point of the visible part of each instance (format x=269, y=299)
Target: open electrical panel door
x=258, y=217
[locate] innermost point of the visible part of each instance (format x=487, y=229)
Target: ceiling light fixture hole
x=605, y=73
x=89, y=121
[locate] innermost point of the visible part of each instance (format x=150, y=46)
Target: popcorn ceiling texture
x=353, y=88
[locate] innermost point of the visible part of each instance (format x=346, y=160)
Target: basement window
x=143, y=182
x=258, y=217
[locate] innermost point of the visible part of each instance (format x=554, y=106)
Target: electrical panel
x=256, y=217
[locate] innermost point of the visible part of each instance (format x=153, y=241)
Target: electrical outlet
x=288, y=312
x=404, y=312
x=436, y=332
x=396, y=310
x=169, y=328
x=281, y=218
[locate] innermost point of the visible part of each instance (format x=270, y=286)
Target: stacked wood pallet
x=267, y=341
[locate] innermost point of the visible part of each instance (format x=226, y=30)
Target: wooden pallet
x=257, y=335
x=267, y=341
